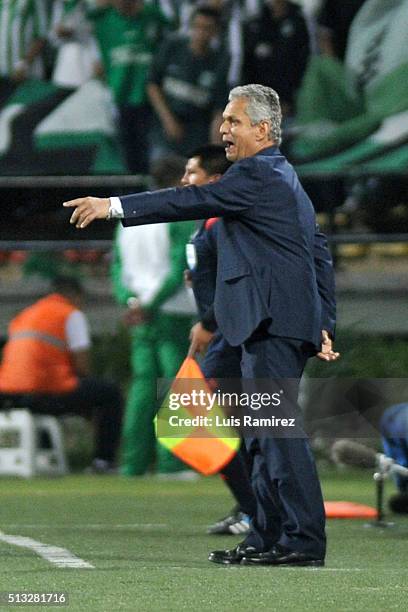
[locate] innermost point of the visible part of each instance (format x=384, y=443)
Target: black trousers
x=94, y=398
x=290, y=509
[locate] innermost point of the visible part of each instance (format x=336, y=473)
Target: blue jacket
x=266, y=245
x=204, y=275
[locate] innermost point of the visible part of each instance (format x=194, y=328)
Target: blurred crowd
x=168, y=64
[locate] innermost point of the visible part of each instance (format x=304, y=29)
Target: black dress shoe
x=281, y=556
x=233, y=556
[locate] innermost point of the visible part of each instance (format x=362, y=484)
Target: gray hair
x=263, y=105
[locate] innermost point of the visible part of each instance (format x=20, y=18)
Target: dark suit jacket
x=204, y=275
x=266, y=245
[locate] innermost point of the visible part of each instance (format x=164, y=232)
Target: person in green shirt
x=147, y=276
x=128, y=33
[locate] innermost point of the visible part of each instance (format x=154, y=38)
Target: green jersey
x=127, y=45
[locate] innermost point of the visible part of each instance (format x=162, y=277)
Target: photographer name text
x=233, y=421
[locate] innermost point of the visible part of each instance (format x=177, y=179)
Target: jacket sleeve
x=121, y=293
x=237, y=191
x=325, y=281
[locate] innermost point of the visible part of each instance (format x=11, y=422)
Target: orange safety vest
x=36, y=358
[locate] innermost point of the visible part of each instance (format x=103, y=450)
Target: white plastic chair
x=21, y=450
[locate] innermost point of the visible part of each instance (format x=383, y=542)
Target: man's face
x=203, y=29
x=241, y=139
x=194, y=174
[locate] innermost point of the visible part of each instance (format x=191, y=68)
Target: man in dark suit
x=267, y=301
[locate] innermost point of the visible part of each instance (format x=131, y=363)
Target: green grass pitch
x=146, y=540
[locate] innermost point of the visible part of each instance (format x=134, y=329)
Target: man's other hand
x=134, y=316
x=200, y=338
x=327, y=353
x=188, y=278
x=87, y=210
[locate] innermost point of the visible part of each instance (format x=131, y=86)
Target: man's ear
x=214, y=178
x=263, y=128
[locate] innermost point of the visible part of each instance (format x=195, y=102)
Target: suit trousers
x=290, y=509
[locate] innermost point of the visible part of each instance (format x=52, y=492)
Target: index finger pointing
x=72, y=203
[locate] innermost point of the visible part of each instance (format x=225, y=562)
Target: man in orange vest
x=46, y=367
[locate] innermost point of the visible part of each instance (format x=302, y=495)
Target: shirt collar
x=272, y=150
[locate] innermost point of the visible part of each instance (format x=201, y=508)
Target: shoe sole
x=311, y=563
x=224, y=561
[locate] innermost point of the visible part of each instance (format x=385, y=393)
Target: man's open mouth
x=228, y=144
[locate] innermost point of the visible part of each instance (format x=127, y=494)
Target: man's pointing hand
x=87, y=210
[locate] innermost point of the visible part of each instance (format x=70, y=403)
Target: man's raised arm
x=235, y=192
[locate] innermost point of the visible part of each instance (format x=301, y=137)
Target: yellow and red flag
x=197, y=432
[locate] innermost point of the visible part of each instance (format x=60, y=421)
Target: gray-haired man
x=267, y=301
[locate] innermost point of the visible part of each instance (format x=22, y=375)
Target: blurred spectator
x=310, y=9
x=187, y=87
x=277, y=49
x=77, y=54
x=23, y=31
x=233, y=15
x=128, y=32
x=46, y=366
x=147, y=274
x=334, y=21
